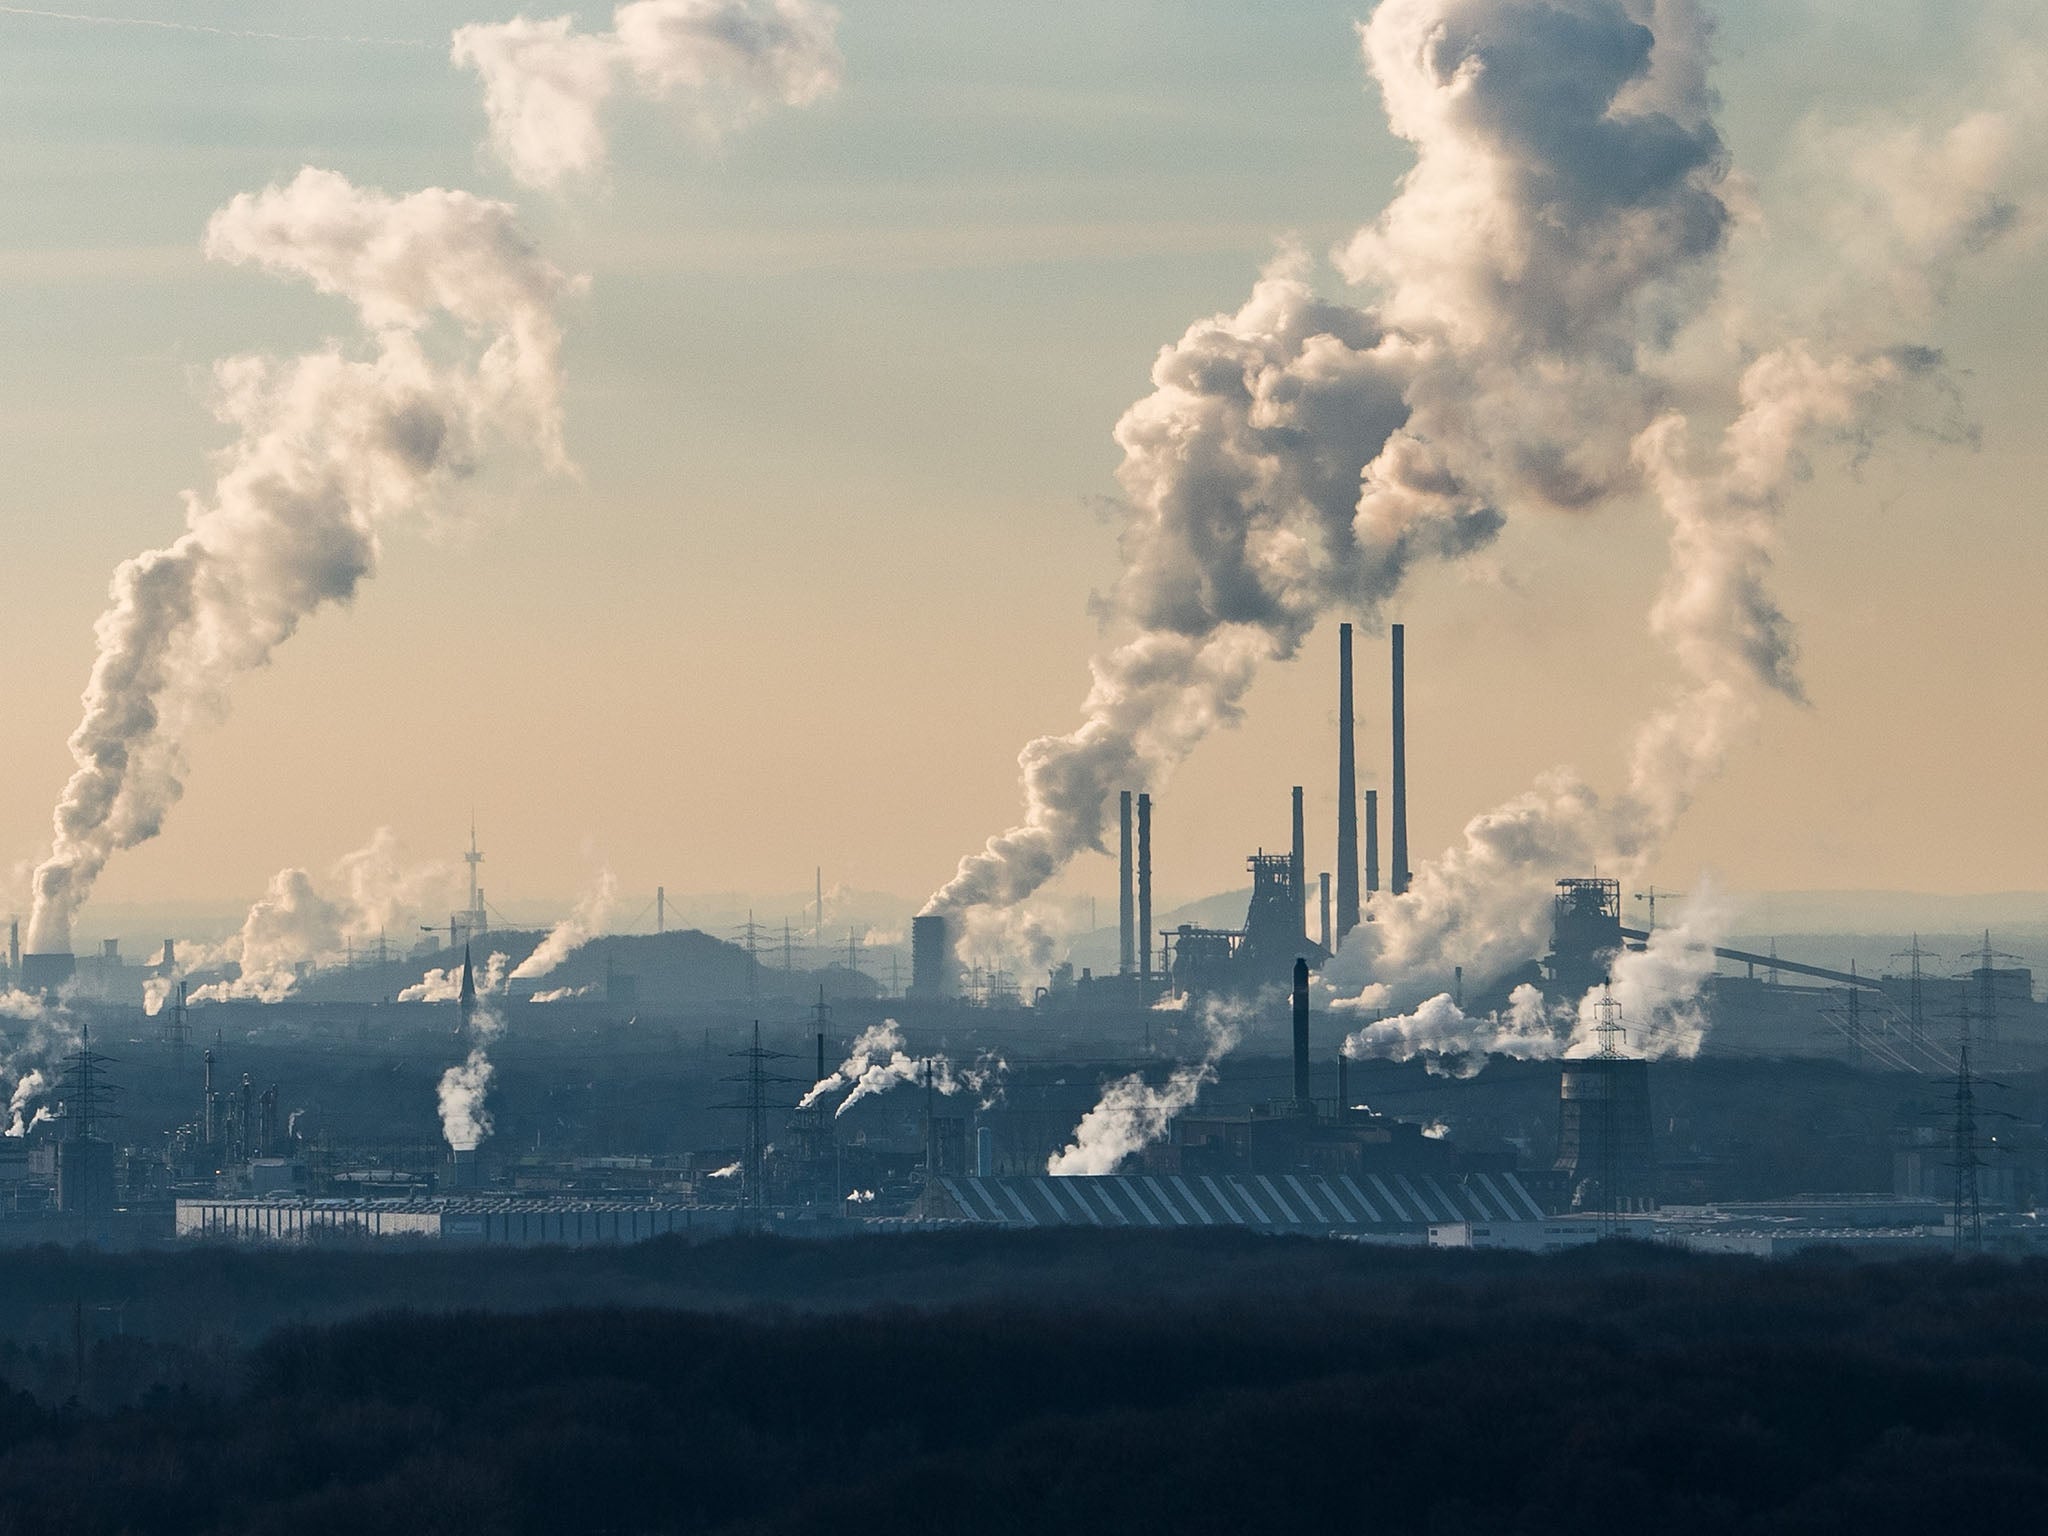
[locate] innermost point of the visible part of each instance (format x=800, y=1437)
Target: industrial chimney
x=1328, y=947
x=1145, y=895
x=1302, y=1102
x=1372, y=842
x=1347, y=792
x=1397, y=877
x=1127, y=954
x=1299, y=868
x=931, y=958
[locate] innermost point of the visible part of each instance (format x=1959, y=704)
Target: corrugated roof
x=1280, y=1202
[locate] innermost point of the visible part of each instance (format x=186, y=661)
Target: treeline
x=1074, y=1383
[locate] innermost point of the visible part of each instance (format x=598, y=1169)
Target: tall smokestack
x=1372, y=842
x=1126, y=912
x=14, y=951
x=1145, y=890
x=1300, y=866
x=1343, y=1086
x=1301, y=1098
x=1397, y=877
x=1347, y=793
x=1328, y=949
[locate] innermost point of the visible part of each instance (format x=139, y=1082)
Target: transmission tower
x=1969, y=1215
x=756, y=1080
x=1986, y=975
x=749, y=934
x=88, y=1096
x=1916, y=1017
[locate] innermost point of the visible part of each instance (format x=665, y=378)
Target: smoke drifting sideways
x=1657, y=988
x=1132, y=1114
x=1300, y=456
x=546, y=85
x=584, y=922
x=878, y=1062
x=332, y=450
x=445, y=986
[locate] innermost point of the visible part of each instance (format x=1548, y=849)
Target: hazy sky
x=839, y=397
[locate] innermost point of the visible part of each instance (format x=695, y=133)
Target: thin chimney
x=1372, y=842
x=1127, y=954
x=1145, y=893
x=1347, y=792
x=1301, y=1097
x=1300, y=868
x=1326, y=913
x=1397, y=877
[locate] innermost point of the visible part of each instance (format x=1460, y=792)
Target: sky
x=839, y=398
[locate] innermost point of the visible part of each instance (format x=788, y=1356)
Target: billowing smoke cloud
x=331, y=450
x=1300, y=455
x=1439, y=1029
x=878, y=1062
x=40, y=1034
x=465, y=1086
x=582, y=925
x=1132, y=1114
x=439, y=986
x=369, y=893
x=465, y=1121
x=546, y=84
x=1657, y=987
x=30, y=1086
x=1484, y=903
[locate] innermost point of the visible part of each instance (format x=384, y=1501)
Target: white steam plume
x=584, y=922
x=298, y=921
x=40, y=1035
x=1484, y=903
x=562, y=994
x=464, y=1087
x=465, y=1121
x=878, y=1062
x=1132, y=1113
x=546, y=84
x=332, y=450
x=27, y=1088
x=1300, y=456
x=1658, y=986
x=1440, y=1029
x=439, y=986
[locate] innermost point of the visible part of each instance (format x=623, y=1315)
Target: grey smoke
x=1301, y=455
x=547, y=84
x=332, y=451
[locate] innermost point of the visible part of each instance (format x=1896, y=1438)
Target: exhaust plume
x=546, y=84
x=439, y=986
x=464, y=1087
x=368, y=892
x=561, y=994
x=1132, y=1114
x=877, y=1062
x=332, y=450
x=583, y=924
x=1302, y=455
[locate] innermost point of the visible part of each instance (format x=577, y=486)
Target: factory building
x=503, y=1222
